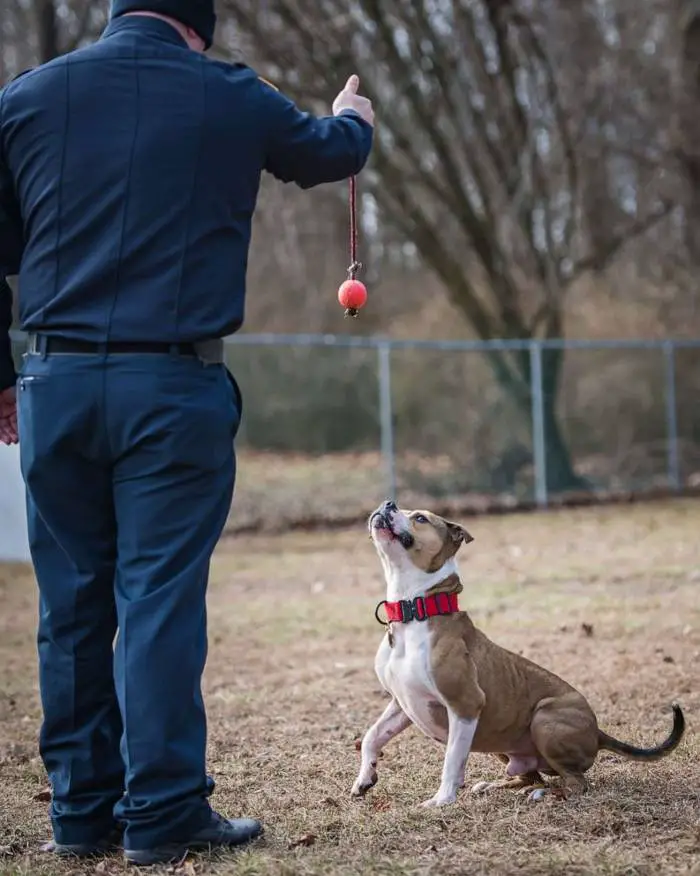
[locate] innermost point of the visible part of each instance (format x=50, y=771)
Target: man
x=129, y=172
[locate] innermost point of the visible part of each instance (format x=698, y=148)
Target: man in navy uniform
x=129, y=172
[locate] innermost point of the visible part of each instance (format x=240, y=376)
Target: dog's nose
x=389, y=505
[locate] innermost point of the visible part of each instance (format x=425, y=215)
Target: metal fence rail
x=386, y=350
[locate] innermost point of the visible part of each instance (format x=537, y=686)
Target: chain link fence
x=332, y=425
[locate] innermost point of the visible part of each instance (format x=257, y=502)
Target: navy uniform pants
x=129, y=466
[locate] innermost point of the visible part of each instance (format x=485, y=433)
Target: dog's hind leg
x=393, y=721
x=569, y=784
x=526, y=781
x=566, y=735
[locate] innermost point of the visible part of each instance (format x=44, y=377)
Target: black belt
x=47, y=345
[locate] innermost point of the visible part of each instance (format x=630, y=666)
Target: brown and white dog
x=460, y=688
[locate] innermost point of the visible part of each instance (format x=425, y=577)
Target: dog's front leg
x=392, y=722
x=459, y=742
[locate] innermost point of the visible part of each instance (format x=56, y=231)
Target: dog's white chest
x=405, y=671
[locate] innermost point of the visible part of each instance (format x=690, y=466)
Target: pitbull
x=464, y=691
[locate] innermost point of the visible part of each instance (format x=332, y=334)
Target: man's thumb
x=352, y=84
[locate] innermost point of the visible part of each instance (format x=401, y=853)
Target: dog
x=461, y=689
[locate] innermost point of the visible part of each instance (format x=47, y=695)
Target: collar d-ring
x=376, y=614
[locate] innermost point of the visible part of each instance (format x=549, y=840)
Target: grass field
x=279, y=491
x=290, y=687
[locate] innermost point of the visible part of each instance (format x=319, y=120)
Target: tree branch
x=600, y=260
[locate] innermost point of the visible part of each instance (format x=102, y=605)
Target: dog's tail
x=630, y=751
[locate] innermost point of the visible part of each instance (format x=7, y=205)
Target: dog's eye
x=419, y=518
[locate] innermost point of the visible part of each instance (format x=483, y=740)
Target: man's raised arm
x=310, y=150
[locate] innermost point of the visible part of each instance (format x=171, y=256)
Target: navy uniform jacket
x=129, y=172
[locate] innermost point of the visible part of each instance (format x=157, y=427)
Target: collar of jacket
x=146, y=25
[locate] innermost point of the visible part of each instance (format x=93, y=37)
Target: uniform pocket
x=26, y=402
x=196, y=417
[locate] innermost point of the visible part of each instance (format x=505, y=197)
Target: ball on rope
x=352, y=295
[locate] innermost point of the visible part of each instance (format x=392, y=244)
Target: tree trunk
x=561, y=476
x=47, y=30
x=559, y=469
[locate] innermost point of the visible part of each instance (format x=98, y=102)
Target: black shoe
x=108, y=844
x=218, y=833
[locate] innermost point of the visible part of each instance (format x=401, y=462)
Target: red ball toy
x=352, y=295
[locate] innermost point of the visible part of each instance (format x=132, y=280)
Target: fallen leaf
x=381, y=804
x=43, y=796
x=177, y=867
x=11, y=849
x=307, y=840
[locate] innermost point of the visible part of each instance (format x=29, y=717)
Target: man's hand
x=349, y=99
x=8, y=417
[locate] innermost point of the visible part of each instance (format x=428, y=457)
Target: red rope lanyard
x=354, y=264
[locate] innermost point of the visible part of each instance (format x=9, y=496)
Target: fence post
x=386, y=416
x=539, y=437
x=672, y=461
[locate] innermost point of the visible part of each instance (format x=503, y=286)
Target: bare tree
x=475, y=159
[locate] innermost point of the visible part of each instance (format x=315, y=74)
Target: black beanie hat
x=197, y=14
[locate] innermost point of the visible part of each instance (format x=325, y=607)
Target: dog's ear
x=459, y=534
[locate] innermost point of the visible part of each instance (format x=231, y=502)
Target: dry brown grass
x=290, y=686
x=276, y=492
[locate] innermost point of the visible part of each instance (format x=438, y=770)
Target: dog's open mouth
x=382, y=521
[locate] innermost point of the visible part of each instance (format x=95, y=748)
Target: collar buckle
x=419, y=609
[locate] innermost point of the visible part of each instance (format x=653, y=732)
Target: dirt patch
x=609, y=598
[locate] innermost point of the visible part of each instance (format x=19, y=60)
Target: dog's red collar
x=420, y=608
